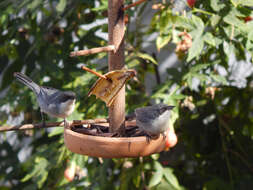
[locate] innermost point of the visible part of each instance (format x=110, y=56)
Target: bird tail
x=28, y=82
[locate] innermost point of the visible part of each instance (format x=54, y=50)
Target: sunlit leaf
x=197, y=47
x=161, y=41
x=242, y=2
x=209, y=38
x=171, y=178
x=157, y=175
x=216, y=5
x=219, y=78
x=61, y=5
x=199, y=67
x=56, y=131
x=146, y=57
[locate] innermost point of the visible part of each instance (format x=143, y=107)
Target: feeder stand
x=116, y=61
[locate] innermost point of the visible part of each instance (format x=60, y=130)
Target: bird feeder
x=113, y=147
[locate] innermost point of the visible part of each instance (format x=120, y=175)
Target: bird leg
x=151, y=137
x=148, y=138
x=66, y=123
x=43, y=119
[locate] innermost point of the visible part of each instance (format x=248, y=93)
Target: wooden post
x=116, y=61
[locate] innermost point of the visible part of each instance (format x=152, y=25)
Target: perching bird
x=51, y=101
x=153, y=120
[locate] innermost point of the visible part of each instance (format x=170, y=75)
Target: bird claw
x=66, y=123
x=151, y=137
x=148, y=138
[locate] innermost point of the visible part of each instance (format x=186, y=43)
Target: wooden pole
x=116, y=61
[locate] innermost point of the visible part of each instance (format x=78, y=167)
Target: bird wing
x=49, y=90
x=146, y=114
x=50, y=95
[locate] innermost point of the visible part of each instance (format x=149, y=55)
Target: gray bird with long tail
x=51, y=101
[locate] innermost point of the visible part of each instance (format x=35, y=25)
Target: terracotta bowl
x=111, y=147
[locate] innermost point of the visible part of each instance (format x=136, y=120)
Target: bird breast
x=161, y=124
x=66, y=108
x=61, y=110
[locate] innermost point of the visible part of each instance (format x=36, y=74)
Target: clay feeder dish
x=111, y=147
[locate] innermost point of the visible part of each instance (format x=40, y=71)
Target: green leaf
x=198, y=41
x=219, y=78
x=209, y=38
x=102, y=7
x=155, y=156
x=202, y=77
x=249, y=44
x=228, y=48
x=217, y=184
x=199, y=24
x=242, y=2
x=61, y=5
x=177, y=96
x=34, y=4
x=189, y=81
x=56, y=131
x=197, y=46
x=166, y=18
x=39, y=171
x=232, y=19
x=198, y=67
x=164, y=185
x=157, y=175
x=146, y=57
x=187, y=23
x=80, y=160
x=217, y=5
x=171, y=178
x=215, y=19
x=161, y=41
x=76, y=115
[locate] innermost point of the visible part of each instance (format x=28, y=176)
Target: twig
x=224, y=147
x=157, y=75
x=133, y=4
x=51, y=124
x=92, y=51
x=243, y=159
x=237, y=142
x=94, y=72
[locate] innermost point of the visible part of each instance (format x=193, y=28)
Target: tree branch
x=51, y=124
x=94, y=72
x=133, y=4
x=92, y=51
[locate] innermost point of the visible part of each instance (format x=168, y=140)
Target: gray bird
x=153, y=120
x=51, y=101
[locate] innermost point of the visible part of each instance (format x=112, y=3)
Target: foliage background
x=211, y=87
